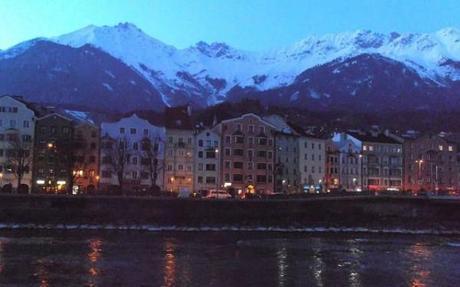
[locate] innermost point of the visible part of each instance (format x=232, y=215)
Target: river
x=113, y=258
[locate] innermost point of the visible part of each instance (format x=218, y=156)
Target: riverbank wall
x=372, y=211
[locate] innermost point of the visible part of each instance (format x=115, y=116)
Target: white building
x=350, y=162
x=133, y=131
x=17, y=126
x=207, y=163
x=312, y=163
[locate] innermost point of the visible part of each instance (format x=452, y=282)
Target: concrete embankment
x=372, y=212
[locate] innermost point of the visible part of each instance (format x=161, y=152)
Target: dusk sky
x=250, y=25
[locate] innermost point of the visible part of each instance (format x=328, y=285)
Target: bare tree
x=19, y=157
x=119, y=152
x=150, y=147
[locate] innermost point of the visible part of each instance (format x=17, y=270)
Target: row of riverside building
x=44, y=149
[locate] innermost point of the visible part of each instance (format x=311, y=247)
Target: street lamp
x=1, y=179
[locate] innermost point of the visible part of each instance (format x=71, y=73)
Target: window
x=251, y=128
x=26, y=138
x=261, y=130
x=210, y=167
x=200, y=179
x=238, y=177
x=210, y=180
x=227, y=164
x=189, y=140
x=237, y=164
x=25, y=124
x=262, y=141
x=170, y=167
x=262, y=166
x=261, y=179
x=441, y=147
x=134, y=160
x=239, y=139
x=180, y=167
x=122, y=130
x=251, y=140
x=262, y=154
x=451, y=148
x=135, y=146
x=200, y=142
x=146, y=132
x=227, y=139
x=200, y=154
x=227, y=152
x=92, y=159
x=132, y=131
x=250, y=165
x=238, y=152
x=211, y=154
x=134, y=174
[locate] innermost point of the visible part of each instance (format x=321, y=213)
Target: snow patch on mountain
x=210, y=70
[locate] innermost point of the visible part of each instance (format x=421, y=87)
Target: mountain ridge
x=208, y=73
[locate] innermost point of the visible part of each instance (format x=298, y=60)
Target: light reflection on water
x=226, y=259
x=422, y=256
x=169, y=278
x=94, y=255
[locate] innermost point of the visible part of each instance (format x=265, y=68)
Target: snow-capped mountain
x=205, y=74
x=157, y=61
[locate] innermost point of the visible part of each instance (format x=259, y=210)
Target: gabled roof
x=20, y=99
x=250, y=114
x=373, y=137
x=56, y=114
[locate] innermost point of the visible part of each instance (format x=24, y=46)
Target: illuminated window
x=371, y=148
x=364, y=147
x=441, y=147
x=451, y=148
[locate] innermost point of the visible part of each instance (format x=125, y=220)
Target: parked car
x=217, y=194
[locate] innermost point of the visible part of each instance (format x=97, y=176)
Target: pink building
x=247, y=154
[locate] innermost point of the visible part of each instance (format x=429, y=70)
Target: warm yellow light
x=97, y=177
x=50, y=145
x=1, y=175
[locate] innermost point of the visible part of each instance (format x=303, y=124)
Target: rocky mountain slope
x=362, y=68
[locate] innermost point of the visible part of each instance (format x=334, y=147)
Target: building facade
x=430, y=164
x=17, y=129
x=247, y=158
x=206, y=160
x=130, y=148
x=332, y=166
x=53, y=154
x=349, y=162
x=312, y=164
x=86, y=167
x=286, y=168
x=382, y=160
x=179, y=150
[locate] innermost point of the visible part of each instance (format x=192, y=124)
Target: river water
x=110, y=258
